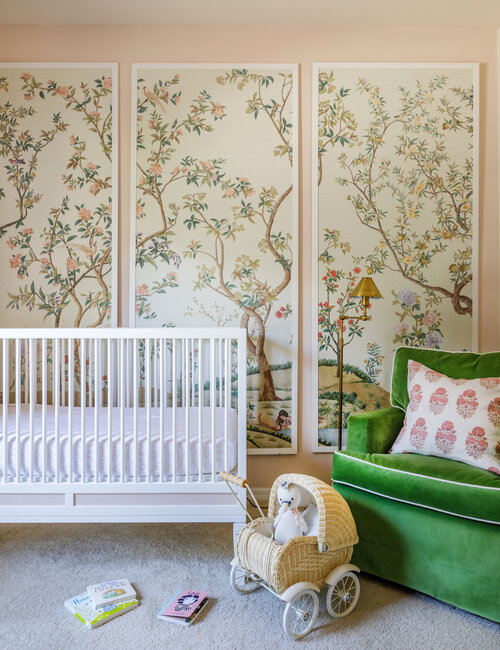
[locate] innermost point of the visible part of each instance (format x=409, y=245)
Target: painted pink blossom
x=10, y=243
x=28, y=97
x=96, y=114
x=44, y=260
x=429, y=319
x=107, y=83
x=71, y=263
x=217, y=109
x=15, y=261
x=138, y=210
x=98, y=230
x=26, y=76
x=110, y=209
x=63, y=90
x=72, y=139
x=155, y=169
x=94, y=189
x=92, y=166
x=230, y=192
x=84, y=214
x=142, y=290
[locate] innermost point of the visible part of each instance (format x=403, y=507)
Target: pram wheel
x=241, y=581
x=301, y=614
x=342, y=596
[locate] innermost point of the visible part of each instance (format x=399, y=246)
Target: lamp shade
x=366, y=287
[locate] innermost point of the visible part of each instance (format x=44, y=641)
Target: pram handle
x=232, y=478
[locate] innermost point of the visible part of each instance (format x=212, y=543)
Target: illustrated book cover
x=110, y=592
x=83, y=609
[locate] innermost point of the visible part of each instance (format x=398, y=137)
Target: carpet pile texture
x=41, y=565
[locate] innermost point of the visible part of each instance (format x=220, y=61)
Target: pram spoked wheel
x=301, y=613
x=343, y=595
x=241, y=581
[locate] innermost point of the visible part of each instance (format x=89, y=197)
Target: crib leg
x=237, y=528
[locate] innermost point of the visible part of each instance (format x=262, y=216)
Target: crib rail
x=119, y=408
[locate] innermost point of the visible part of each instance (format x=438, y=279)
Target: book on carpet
x=82, y=608
x=184, y=607
x=111, y=592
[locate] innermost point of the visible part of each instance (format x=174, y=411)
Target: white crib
x=121, y=424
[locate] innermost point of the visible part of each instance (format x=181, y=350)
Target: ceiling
x=272, y=13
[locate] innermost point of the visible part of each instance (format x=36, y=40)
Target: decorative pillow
x=452, y=418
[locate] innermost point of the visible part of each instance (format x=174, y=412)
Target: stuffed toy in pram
x=290, y=521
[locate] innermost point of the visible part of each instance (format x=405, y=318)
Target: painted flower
x=476, y=443
x=446, y=437
x=26, y=76
x=10, y=243
x=92, y=166
x=107, y=83
x=44, y=260
x=110, y=208
x=401, y=328
x=94, y=188
x=27, y=231
x=229, y=192
x=430, y=319
x=433, y=340
x=71, y=263
x=84, y=214
x=98, y=230
x=467, y=403
x=357, y=270
x=28, y=97
x=96, y=114
x=72, y=139
x=142, y=290
x=407, y=297
x=138, y=210
x=217, y=109
x=155, y=169
x=63, y=90
x=15, y=261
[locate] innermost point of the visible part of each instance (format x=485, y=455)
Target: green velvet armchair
x=429, y=523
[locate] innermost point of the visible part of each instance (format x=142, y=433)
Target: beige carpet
x=42, y=565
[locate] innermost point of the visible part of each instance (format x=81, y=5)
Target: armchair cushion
x=374, y=432
x=425, y=481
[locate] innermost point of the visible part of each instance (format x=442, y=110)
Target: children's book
x=184, y=620
x=111, y=592
x=83, y=609
x=183, y=604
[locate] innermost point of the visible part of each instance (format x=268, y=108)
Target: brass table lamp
x=365, y=289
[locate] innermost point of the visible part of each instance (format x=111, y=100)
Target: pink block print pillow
x=452, y=418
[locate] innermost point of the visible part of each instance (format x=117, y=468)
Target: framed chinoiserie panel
x=395, y=187
x=214, y=198
x=58, y=192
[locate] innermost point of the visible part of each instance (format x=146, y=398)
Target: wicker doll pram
x=296, y=570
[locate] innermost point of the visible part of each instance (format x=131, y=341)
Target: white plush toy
x=289, y=522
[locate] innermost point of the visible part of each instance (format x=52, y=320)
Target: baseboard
x=262, y=495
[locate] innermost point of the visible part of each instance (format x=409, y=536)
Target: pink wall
x=303, y=46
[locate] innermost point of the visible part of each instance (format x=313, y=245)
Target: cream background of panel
x=304, y=46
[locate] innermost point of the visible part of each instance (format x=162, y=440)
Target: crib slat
x=5, y=397
x=18, y=407
x=213, y=397
x=122, y=408
x=71, y=372
x=162, y=408
x=200, y=410
x=32, y=402
x=136, y=384
x=97, y=403
x=83, y=404
x=147, y=366
x=155, y=373
x=110, y=413
x=63, y=376
x=219, y=345
x=57, y=380
x=44, y=409
x=186, y=406
x=227, y=399
x=174, y=411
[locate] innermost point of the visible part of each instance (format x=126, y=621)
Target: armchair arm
x=374, y=432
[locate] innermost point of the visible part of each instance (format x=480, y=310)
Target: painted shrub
x=56, y=195
x=215, y=217
x=395, y=202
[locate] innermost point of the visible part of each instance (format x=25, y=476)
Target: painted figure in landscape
x=215, y=219
x=395, y=197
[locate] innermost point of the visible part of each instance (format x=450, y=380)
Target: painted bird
x=16, y=161
x=85, y=249
x=149, y=94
